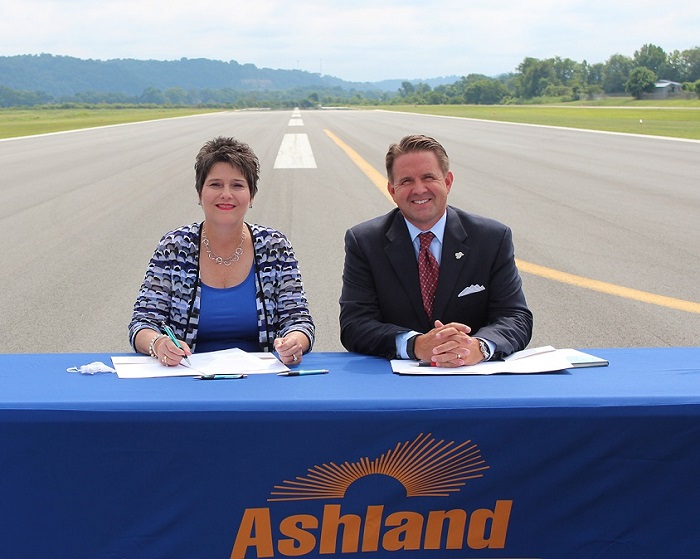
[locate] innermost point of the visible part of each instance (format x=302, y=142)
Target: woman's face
x=225, y=195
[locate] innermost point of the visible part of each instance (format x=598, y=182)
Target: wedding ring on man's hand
x=294, y=358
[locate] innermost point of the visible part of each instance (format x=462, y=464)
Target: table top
x=635, y=377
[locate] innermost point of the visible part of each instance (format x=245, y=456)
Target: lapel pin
x=459, y=255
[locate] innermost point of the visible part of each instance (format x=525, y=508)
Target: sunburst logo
x=425, y=467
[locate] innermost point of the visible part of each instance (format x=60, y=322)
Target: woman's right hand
x=169, y=354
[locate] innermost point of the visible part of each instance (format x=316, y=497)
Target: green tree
x=456, y=92
x=651, y=57
x=314, y=99
x=486, y=92
x=16, y=98
x=594, y=75
x=422, y=89
x=437, y=97
x=641, y=81
x=566, y=70
x=691, y=64
x=534, y=77
x=407, y=89
x=673, y=68
x=616, y=73
x=152, y=95
x=176, y=96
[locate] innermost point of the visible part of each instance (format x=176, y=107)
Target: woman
x=223, y=283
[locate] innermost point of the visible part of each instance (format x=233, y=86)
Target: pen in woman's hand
x=171, y=335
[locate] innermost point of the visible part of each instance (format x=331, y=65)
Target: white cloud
x=358, y=40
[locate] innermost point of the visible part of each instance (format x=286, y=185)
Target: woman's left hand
x=291, y=348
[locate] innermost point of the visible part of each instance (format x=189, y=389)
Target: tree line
x=563, y=79
x=552, y=79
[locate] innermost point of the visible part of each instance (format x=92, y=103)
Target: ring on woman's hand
x=459, y=356
x=165, y=360
x=294, y=357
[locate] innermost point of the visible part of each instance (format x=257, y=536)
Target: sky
x=354, y=40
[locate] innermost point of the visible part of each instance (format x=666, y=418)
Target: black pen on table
x=171, y=335
x=303, y=372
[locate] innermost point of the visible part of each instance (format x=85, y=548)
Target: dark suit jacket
x=381, y=292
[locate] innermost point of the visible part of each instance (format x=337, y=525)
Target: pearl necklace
x=218, y=259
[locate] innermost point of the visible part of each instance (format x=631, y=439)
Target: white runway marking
x=295, y=120
x=295, y=153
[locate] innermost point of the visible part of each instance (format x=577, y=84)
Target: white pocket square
x=474, y=288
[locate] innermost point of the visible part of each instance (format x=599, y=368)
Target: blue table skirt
x=598, y=462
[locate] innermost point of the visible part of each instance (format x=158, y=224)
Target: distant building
x=663, y=89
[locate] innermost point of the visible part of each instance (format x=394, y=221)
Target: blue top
x=171, y=290
x=228, y=317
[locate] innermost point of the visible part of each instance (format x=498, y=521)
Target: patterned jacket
x=171, y=290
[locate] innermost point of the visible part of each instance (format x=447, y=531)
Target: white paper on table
x=141, y=366
x=538, y=360
x=227, y=361
x=529, y=352
x=576, y=357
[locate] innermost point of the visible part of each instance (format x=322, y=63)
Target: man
x=476, y=311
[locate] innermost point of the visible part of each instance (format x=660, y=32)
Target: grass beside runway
x=27, y=122
x=677, y=120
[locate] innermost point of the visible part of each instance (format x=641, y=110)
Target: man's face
x=420, y=189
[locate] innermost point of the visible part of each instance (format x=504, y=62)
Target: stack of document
x=225, y=362
x=543, y=359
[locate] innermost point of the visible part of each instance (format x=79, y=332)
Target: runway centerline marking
x=295, y=153
x=380, y=182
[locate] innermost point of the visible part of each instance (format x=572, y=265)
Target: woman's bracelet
x=152, y=345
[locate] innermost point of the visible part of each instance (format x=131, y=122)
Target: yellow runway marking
x=609, y=288
x=380, y=181
x=375, y=176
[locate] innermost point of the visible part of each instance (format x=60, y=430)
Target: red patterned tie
x=428, y=271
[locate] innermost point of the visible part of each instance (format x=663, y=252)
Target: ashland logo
x=424, y=467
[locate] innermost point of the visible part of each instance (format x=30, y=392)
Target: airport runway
x=606, y=226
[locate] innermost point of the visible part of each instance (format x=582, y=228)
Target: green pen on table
x=171, y=335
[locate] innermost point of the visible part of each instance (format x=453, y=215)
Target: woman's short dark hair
x=231, y=151
x=416, y=142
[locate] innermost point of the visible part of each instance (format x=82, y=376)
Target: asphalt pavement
x=606, y=226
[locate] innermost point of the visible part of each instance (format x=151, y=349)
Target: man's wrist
x=485, y=349
x=401, y=341
x=411, y=347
